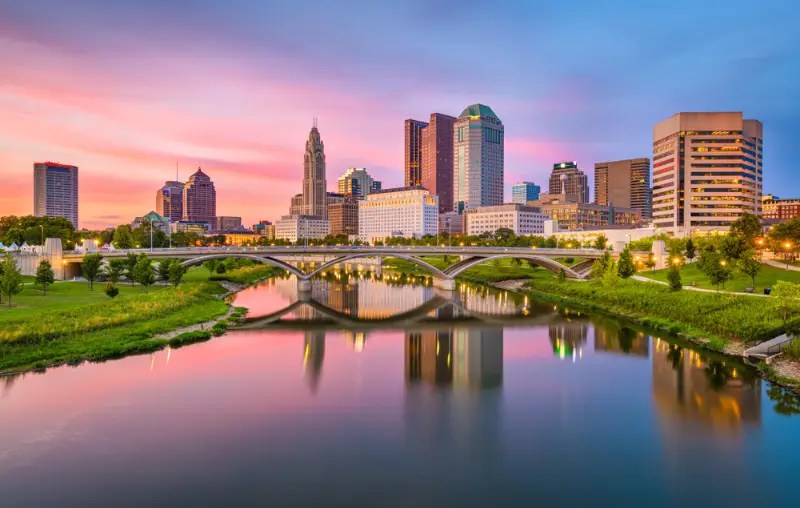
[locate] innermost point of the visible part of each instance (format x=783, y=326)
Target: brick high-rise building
x=566, y=179
x=55, y=191
x=413, y=152
x=707, y=171
x=343, y=215
x=478, y=158
x=357, y=181
x=624, y=183
x=437, y=159
x=169, y=201
x=200, y=199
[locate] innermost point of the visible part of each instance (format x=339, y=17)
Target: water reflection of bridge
x=364, y=305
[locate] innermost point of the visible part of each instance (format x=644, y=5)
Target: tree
x=176, y=271
x=91, y=268
x=211, y=265
x=786, y=293
x=600, y=242
x=715, y=267
x=163, y=269
x=674, y=277
x=626, y=266
x=749, y=265
x=733, y=247
x=220, y=268
x=143, y=272
x=123, y=238
x=599, y=267
x=11, y=280
x=747, y=227
x=45, y=275
x=130, y=264
x=111, y=290
x=611, y=275
x=690, y=249
x=114, y=270
x=562, y=275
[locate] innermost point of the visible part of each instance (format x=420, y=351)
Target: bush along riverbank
x=136, y=324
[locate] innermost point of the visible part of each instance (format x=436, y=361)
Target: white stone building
x=410, y=212
x=294, y=227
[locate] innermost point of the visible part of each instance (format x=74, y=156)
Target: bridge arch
x=260, y=259
x=434, y=271
x=551, y=264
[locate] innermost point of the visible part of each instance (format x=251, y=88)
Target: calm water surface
x=470, y=399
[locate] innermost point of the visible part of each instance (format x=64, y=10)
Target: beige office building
x=521, y=219
x=410, y=212
x=295, y=227
x=624, y=183
x=707, y=171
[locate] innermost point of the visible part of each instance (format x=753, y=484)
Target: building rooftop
x=478, y=110
x=399, y=189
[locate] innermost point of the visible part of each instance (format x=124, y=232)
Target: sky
x=127, y=90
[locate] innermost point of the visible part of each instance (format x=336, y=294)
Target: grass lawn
x=767, y=277
x=62, y=296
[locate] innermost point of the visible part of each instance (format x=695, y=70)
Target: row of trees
x=136, y=269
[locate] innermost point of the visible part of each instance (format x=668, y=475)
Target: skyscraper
x=707, y=171
x=413, y=149
x=437, y=159
x=314, y=184
x=358, y=182
x=55, y=191
x=624, y=183
x=567, y=179
x=523, y=192
x=169, y=201
x=200, y=199
x=478, y=158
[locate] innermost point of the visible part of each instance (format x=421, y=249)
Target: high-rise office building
x=624, y=183
x=169, y=201
x=707, y=171
x=296, y=206
x=566, y=179
x=55, y=191
x=413, y=152
x=358, y=182
x=343, y=215
x=200, y=199
x=314, y=183
x=437, y=159
x=478, y=158
x=225, y=223
x=523, y=192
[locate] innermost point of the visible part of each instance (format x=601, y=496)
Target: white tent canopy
x=13, y=247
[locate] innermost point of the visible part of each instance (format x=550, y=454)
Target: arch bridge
x=444, y=278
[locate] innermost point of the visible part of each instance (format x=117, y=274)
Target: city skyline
x=126, y=121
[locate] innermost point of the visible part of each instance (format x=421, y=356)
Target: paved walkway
x=782, y=266
x=769, y=348
x=692, y=288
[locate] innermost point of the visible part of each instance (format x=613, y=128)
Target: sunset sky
x=125, y=89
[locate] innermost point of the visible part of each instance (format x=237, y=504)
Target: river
x=384, y=391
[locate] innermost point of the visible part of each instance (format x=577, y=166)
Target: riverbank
x=719, y=323
x=101, y=328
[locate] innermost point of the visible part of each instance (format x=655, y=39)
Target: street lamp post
x=151, y=236
x=788, y=246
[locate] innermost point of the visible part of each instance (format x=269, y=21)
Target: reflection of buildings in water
x=614, y=339
x=568, y=337
x=453, y=405
x=343, y=297
x=481, y=301
x=461, y=358
x=375, y=302
x=429, y=357
x=357, y=340
x=313, y=356
x=710, y=391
